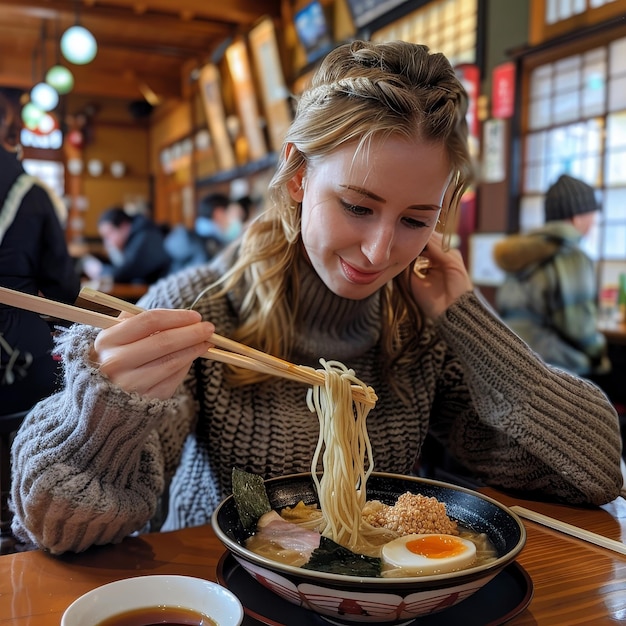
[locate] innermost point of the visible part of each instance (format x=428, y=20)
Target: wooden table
x=574, y=582
x=614, y=331
x=126, y=291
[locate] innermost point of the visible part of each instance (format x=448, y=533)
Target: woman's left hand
x=445, y=280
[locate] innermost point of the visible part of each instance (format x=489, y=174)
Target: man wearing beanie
x=549, y=296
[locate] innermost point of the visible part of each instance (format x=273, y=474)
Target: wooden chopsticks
x=231, y=352
x=569, y=529
x=43, y=306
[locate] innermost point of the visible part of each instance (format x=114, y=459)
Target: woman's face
x=366, y=216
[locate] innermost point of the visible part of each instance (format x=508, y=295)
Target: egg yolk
x=435, y=546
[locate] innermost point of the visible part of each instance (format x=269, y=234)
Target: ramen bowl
x=343, y=599
x=156, y=599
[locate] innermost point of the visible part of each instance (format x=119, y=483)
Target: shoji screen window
x=576, y=124
x=447, y=26
x=554, y=18
x=557, y=10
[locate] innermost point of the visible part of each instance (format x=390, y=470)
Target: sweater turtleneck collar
x=332, y=327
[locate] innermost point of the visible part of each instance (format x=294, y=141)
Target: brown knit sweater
x=91, y=462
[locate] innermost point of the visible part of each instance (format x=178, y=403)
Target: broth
x=159, y=616
x=308, y=517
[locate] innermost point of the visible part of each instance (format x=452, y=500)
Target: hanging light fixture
x=31, y=115
x=78, y=45
x=60, y=77
x=44, y=96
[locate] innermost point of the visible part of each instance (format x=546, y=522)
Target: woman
x=376, y=157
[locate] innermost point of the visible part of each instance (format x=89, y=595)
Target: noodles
x=371, y=528
x=347, y=459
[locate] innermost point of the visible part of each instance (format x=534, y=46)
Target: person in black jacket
x=34, y=259
x=136, y=246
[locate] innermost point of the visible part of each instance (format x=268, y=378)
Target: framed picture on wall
x=364, y=13
x=313, y=30
x=274, y=92
x=210, y=85
x=246, y=98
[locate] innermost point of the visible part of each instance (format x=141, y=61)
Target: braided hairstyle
x=361, y=91
x=366, y=89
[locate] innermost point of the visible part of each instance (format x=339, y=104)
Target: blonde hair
x=361, y=91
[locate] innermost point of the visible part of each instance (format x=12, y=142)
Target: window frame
x=540, y=31
x=543, y=55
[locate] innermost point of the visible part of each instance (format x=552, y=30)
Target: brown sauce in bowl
x=159, y=616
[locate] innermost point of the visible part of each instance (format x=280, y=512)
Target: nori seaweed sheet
x=332, y=558
x=250, y=497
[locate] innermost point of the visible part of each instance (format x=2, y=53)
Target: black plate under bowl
x=499, y=601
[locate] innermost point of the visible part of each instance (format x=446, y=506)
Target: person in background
x=219, y=222
x=549, y=296
x=185, y=248
x=34, y=259
x=344, y=263
x=136, y=249
x=243, y=210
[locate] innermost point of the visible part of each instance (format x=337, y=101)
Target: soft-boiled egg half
x=429, y=554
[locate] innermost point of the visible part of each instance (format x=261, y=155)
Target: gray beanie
x=568, y=197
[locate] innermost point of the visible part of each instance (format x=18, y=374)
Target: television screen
x=313, y=31
x=363, y=13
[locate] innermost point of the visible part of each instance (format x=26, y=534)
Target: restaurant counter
x=575, y=582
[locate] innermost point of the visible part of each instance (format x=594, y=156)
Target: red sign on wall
x=503, y=90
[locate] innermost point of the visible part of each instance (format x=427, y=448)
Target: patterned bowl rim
x=430, y=581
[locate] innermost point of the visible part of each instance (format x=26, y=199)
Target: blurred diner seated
x=135, y=247
x=219, y=222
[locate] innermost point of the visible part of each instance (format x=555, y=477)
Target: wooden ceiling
x=145, y=47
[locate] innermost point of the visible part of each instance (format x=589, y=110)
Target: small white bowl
x=197, y=594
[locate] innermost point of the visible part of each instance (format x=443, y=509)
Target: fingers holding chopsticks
x=151, y=352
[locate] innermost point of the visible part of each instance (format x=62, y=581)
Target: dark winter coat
x=34, y=259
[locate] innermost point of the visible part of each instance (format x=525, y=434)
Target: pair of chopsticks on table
x=227, y=350
x=569, y=529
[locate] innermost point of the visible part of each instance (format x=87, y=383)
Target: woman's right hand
x=151, y=353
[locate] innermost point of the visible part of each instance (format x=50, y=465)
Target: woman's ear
x=295, y=185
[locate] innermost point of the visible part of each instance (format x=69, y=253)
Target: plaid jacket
x=549, y=297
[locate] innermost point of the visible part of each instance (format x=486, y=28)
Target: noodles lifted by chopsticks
x=347, y=458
